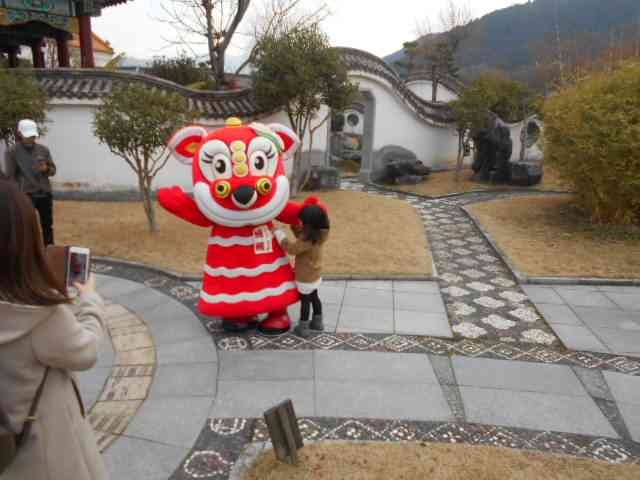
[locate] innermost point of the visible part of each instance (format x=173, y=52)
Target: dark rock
x=409, y=179
x=396, y=164
x=324, y=178
x=526, y=174
x=494, y=148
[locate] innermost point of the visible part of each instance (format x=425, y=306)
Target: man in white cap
x=29, y=164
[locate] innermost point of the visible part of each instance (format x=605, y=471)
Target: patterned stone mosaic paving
x=480, y=348
x=482, y=296
x=222, y=441
x=129, y=382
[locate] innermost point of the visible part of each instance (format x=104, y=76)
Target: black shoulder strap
x=26, y=428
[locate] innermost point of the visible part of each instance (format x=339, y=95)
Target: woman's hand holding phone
x=87, y=288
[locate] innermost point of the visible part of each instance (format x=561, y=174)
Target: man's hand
x=42, y=167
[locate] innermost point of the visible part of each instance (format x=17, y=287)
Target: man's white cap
x=28, y=128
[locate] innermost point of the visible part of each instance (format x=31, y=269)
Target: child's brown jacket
x=308, y=264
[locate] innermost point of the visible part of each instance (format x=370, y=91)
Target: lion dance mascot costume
x=240, y=188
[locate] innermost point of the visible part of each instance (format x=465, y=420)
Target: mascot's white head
x=238, y=171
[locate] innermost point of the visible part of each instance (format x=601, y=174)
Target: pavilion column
x=37, y=53
x=64, y=59
x=86, y=42
x=13, y=57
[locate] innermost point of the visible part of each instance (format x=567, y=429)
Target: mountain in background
x=507, y=39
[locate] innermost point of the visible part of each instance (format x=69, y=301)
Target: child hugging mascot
x=239, y=188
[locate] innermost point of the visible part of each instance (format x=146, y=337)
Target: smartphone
x=78, y=265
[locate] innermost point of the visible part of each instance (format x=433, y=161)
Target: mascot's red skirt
x=247, y=273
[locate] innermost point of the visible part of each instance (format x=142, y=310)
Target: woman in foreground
x=43, y=339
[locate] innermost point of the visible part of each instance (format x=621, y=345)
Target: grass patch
x=549, y=236
x=445, y=183
x=370, y=235
x=418, y=461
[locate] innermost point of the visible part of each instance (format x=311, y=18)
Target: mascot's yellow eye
x=223, y=189
x=264, y=186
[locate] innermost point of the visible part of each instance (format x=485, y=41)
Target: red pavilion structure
x=29, y=22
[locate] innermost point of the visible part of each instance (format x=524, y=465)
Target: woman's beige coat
x=61, y=445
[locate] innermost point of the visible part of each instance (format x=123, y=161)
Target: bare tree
x=436, y=52
x=276, y=17
x=206, y=22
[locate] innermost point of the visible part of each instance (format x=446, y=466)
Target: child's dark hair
x=314, y=219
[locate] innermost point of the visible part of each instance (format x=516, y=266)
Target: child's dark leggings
x=306, y=302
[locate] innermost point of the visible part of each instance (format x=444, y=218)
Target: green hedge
x=592, y=137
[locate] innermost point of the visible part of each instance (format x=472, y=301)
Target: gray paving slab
x=118, y=287
x=331, y=295
x=365, y=320
x=517, y=376
x=594, y=382
x=91, y=382
x=625, y=388
x=367, y=297
x=106, y=354
x=543, y=295
x=197, y=380
x=585, y=298
x=416, y=287
x=142, y=460
x=144, y=300
x=631, y=414
x=173, y=421
x=616, y=289
x=538, y=411
x=558, y=314
x=370, y=284
x=256, y=365
x=373, y=366
x=191, y=351
x=607, y=318
x=409, y=401
x=428, y=303
x=620, y=341
x=172, y=322
x=579, y=338
x=253, y=398
x=422, y=323
x=626, y=301
x=443, y=368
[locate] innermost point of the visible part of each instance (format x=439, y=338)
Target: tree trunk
x=434, y=89
x=147, y=203
x=460, y=159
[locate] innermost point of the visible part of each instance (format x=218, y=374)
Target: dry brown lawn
x=369, y=236
x=419, y=461
x=548, y=236
x=445, y=183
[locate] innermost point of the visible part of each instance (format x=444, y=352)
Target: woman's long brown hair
x=25, y=275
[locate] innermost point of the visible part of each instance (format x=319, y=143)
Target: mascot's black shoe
x=239, y=326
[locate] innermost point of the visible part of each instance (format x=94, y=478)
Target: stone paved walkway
x=204, y=404
x=592, y=318
x=183, y=400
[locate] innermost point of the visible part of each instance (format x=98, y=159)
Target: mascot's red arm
x=176, y=201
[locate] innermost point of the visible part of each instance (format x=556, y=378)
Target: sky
x=377, y=26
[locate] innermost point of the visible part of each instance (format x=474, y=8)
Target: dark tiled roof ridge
x=98, y=83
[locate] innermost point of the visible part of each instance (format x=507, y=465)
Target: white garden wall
x=424, y=89
x=396, y=124
x=85, y=164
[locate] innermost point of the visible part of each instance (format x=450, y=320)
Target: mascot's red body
x=240, y=187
